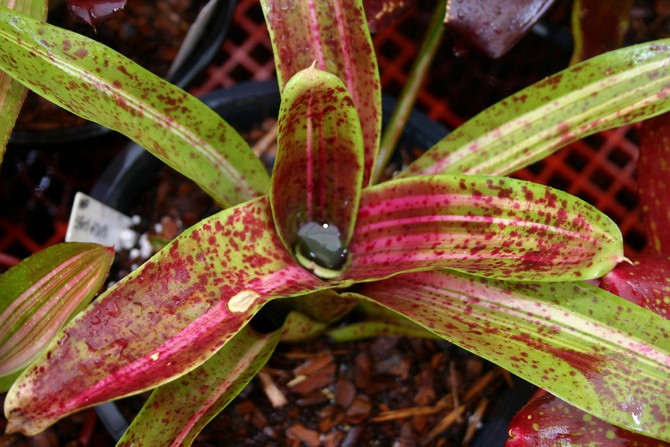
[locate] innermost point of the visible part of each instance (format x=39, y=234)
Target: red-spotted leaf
x=598, y=27
x=40, y=294
x=593, y=349
x=176, y=412
x=334, y=36
x=164, y=319
x=11, y=91
x=616, y=88
x=490, y=226
x=493, y=26
x=318, y=174
x=98, y=84
x=645, y=283
x=92, y=12
x=653, y=176
x=547, y=421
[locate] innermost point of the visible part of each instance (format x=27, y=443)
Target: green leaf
x=164, y=319
x=489, y=226
x=40, y=294
x=616, y=88
x=98, y=84
x=319, y=168
x=334, y=36
x=12, y=92
x=592, y=349
x=176, y=412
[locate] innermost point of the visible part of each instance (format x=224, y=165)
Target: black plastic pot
x=207, y=44
x=242, y=106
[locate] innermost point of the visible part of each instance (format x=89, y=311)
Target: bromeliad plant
x=493, y=264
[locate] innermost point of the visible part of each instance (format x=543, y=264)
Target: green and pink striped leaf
x=654, y=181
x=592, y=349
x=334, y=36
x=318, y=173
x=547, y=421
x=490, y=226
x=610, y=90
x=96, y=83
x=176, y=412
x=164, y=319
x=40, y=294
x=11, y=91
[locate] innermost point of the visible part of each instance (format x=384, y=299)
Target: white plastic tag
x=93, y=221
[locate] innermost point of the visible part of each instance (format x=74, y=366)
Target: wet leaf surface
x=93, y=12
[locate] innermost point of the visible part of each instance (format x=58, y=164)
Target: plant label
x=93, y=221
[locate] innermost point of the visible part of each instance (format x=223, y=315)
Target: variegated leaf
x=318, y=173
x=176, y=412
x=164, y=319
x=616, y=88
x=334, y=36
x=593, y=349
x=96, y=83
x=490, y=226
x=40, y=294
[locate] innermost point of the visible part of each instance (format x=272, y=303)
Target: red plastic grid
x=599, y=169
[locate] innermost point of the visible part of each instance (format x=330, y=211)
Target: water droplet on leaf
x=322, y=244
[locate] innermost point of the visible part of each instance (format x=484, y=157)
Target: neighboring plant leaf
x=163, y=319
x=616, y=88
x=176, y=412
x=334, y=36
x=325, y=306
x=318, y=172
x=645, y=283
x=97, y=83
x=593, y=349
x=40, y=294
x=490, y=226
x=300, y=328
x=12, y=92
x=374, y=320
x=493, y=27
x=93, y=12
x=653, y=177
x=547, y=421
x=598, y=27
x=383, y=13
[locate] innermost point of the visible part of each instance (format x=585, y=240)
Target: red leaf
x=93, y=12
x=493, y=27
x=598, y=27
x=547, y=421
x=653, y=173
x=644, y=283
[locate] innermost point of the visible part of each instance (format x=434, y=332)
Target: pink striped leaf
x=489, y=226
x=592, y=349
x=334, y=36
x=176, y=412
x=164, y=319
x=547, y=421
x=607, y=91
x=40, y=294
x=319, y=169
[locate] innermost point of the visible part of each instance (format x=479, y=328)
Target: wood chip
x=475, y=420
x=445, y=423
x=272, y=391
x=299, y=432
